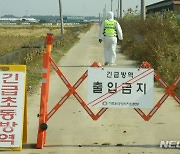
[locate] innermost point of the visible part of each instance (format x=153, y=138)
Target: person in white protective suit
x=109, y=31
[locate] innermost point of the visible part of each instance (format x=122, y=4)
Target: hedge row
x=155, y=40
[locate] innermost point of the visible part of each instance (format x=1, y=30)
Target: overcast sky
x=70, y=7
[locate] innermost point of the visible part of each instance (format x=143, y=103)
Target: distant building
x=79, y=19
x=18, y=20
x=73, y=19
x=166, y=5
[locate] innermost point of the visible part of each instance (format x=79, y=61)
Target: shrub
x=155, y=40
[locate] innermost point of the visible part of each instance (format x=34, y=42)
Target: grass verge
x=60, y=47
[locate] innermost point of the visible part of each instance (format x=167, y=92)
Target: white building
x=18, y=20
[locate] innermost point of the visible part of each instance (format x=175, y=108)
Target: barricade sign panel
x=13, y=111
x=104, y=84
x=120, y=87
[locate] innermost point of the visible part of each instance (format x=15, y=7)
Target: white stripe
x=43, y=80
x=62, y=77
x=162, y=100
x=87, y=110
x=62, y=101
x=177, y=99
x=78, y=83
x=44, y=70
x=78, y=98
x=51, y=113
x=54, y=66
x=163, y=83
x=177, y=81
x=155, y=74
x=154, y=110
x=140, y=112
x=102, y=111
x=86, y=74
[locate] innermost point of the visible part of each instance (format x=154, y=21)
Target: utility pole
x=121, y=11
x=118, y=11
x=61, y=17
x=99, y=18
x=104, y=13
x=143, y=8
x=111, y=4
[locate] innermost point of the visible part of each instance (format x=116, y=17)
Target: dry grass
x=14, y=37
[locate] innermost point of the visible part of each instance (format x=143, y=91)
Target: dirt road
x=118, y=131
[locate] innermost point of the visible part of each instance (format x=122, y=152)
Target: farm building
x=73, y=19
x=17, y=20
x=166, y=5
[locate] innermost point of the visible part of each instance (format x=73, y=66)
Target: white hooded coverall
x=110, y=42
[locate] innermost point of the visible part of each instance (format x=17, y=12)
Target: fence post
x=41, y=137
